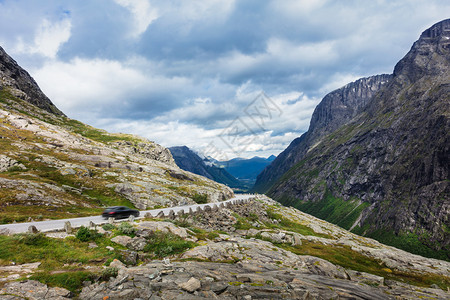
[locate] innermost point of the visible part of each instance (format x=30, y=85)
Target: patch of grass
x=202, y=234
x=242, y=223
x=288, y=225
x=200, y=198
x=73, y=281
x=108, y=226
x=182, y=223
x=333, y=209
x=409, y=242
x=52, y=253
x=127, y=229
x=161, y=244
x=96, y=134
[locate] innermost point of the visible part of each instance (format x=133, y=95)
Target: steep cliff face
x=22, y=85
x=188, y=160
x=336, y=109
x=386, y=173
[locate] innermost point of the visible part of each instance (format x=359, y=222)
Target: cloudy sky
x=229, y=78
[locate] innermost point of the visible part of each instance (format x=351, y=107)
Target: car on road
x=119, y=212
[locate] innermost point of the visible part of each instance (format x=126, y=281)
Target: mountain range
x=246, y=169
x=190, y=161
x=237, y=173
x=376, y=156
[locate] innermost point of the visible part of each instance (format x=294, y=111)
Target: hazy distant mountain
x=190, y=161
x=247, y=169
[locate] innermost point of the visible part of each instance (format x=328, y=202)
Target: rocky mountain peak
x=336, y=109
x=439, y=30
x=20, y=84
x=342, y=105
x=430, y=54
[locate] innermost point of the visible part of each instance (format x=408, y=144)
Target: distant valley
x=238, y=173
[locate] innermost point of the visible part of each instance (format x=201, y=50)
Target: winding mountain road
x=77, y=222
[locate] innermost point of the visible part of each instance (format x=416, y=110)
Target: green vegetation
x=108, y=227
x=72, y=281
x=288, y=225
x=97, y=134
x=242, y=223
x=109, y=272
x=200, y=198
x=162, y=244
x=85, y=234
x=409, y=242
x=59, y=259
x=334, y=210
x=127, y=229
x=52, y=253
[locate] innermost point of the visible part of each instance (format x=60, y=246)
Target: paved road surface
x=76, y=222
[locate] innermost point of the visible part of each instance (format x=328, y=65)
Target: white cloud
x=86, y=89
x=143, y=14
x=48, y=39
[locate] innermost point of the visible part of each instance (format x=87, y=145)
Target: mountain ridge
x=190, y=161
x=386, y=173
x=336, y=108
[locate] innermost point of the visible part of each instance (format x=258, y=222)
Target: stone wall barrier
x=32, y=229
x=68, y=227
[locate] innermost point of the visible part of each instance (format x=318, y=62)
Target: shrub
x=85, y=234
x=163, y=244
x=34, y=239
x=108, y=226
x=200, y=198
x=108, y=273
x=127, y=229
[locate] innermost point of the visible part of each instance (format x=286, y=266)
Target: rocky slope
x=52, y=166
x=190, y=161
x=336, y=109
x=385, y=173
x=254, y=250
